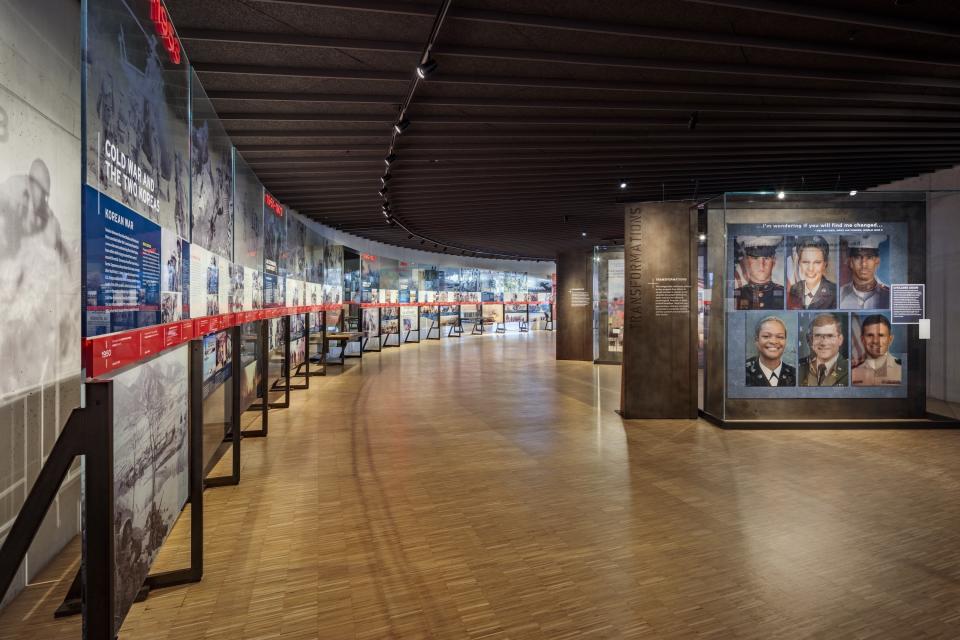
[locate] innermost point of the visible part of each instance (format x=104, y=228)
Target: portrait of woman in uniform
x=811, y=273
x=772, y=336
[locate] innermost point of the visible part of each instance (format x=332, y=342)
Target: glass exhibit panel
x=275, y=240
x=369, y=279
x=538, y=292
x=248, y=215
x=137, y=123
x=408, y=291
x=150, y=458
x=409, y=325
x=390, y=323
x=389, y=281
x=298, y=341
x=217, y=394
x=251, y=370
x=333, y=275
x=608, y=307
x=514, y=315
x=294, y=263
x=211, y=176
x=276, y=358
x=809, y=326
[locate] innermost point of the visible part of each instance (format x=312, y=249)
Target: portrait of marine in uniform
x=825, y=363
x=758, y=282
x=878, y=367
x=810, y=265
x=767, y=368
x=864, y=290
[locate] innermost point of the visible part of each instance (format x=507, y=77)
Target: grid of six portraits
x=818, y=310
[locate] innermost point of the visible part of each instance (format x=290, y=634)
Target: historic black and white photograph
x=211, y=175
x=39, y=248
x=151, y=480
x=171, y=279
x=248, y=216
x=237, y=292
x=136, y=114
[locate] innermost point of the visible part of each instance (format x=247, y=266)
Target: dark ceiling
x=539, y=109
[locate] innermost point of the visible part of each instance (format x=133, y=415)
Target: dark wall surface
x=659, y=344
x=574, y=307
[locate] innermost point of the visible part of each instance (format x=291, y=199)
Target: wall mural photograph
x=39, y=249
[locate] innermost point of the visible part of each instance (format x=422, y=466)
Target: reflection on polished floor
x=477, y=488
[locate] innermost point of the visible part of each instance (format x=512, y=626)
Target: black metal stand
x=320, y=359
x=89, y=433
x=434, y=326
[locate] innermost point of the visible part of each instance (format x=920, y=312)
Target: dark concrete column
x=660, y=315
x=574, y=307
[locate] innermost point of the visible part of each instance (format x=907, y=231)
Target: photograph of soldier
x=823, y=361
x=771, y=340
x=758, y=281
x=860, y=274
x=808, y=271
x=872, y=336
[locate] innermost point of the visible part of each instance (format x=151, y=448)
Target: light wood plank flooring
x=476, y=488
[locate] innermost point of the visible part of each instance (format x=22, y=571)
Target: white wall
x=943, y=277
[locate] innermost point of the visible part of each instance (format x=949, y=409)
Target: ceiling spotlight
x=623, y=185
x=389, y=159
x=853, y=192
x=401, y=126
x=703, y=237
x=422, y=241
x=583, y=233
x=389, y=221
x=694, y=119
x=781, y=195
x=383, y=192
x=426, y=69
x=385, y=206
x=385, y=178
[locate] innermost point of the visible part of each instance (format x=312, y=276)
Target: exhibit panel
x=248, y=215
x=151, y=479
x=217, y=394
x=815, y=305
x=274, y=242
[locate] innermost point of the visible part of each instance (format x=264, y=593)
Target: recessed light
x=781, y=195
x=853, y=192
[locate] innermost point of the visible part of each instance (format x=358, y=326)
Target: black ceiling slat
x=826, y=14
x=634, y=31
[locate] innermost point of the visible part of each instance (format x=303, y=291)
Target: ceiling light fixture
x=623, y=185
x=853, y=192
x=781, y=195
x=383, y=192
x=703, y=237
x=583, y=233
x=426, y=69
x=385, y=178
x=390, y=159
x=401, y=125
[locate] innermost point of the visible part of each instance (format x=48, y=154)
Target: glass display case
x=608, y=296
x=814, y=307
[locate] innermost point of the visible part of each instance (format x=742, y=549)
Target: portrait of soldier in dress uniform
x=767, y=368
x=825, y=364
x=811, y=288
x=757, y=258
x=879, y=367
x=864, y=290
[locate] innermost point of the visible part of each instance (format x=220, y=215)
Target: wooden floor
x=476, y=488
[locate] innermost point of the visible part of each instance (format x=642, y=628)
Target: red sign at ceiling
x=273, y=204
x=161, y=22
